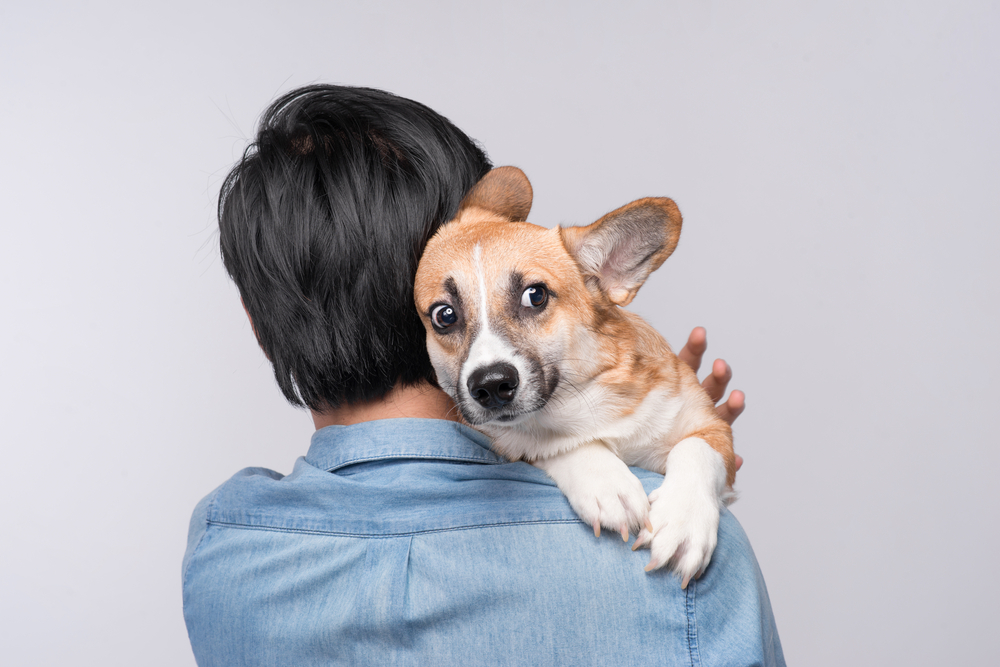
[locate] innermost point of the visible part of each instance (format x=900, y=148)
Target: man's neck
x=421, y=401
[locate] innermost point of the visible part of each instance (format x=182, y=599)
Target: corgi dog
x=526, y=333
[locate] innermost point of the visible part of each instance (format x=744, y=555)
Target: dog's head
x=516, y=313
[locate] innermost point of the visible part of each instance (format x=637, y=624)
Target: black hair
x=322, y=224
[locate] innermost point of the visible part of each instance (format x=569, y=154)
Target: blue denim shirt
x=409, y=542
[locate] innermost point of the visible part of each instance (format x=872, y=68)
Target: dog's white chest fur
x=640, y=438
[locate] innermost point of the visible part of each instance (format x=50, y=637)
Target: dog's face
x=513, y=311
x=502, y=304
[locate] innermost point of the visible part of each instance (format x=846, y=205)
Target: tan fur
x=505, y=192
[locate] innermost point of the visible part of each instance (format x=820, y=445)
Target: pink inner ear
x=621, y=268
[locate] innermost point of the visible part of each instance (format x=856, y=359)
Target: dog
x=526, y=333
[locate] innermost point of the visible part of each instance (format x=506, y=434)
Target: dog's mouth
x=507, y=415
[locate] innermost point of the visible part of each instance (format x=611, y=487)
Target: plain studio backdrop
x=837, y=166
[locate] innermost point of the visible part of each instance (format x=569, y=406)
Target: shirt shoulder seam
x=694, y=655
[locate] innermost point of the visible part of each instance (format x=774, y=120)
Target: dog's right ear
x=621, y=249
x=504, y=192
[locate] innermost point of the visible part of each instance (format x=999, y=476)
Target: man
x=400, y=538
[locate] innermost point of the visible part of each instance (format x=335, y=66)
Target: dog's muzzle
x=493, y=386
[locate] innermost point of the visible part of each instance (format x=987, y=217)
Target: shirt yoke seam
x=375, y=536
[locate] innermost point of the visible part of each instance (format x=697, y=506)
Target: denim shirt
x=409, y=542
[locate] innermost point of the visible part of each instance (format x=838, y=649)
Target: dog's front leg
x=685, y=509
x=600, y=488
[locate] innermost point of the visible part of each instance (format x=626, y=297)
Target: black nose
x=493, y=386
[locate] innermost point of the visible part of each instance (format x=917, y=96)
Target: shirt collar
x=334, y=447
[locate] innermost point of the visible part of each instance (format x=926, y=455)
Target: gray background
x=837, y=166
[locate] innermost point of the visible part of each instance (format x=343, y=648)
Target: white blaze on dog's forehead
x=477, y=258
x=488, y=348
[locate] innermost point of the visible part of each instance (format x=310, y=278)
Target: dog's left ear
x=504, y=191
x=621, y=249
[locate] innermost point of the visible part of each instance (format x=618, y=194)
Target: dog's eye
x=534, y=297
x=443, y=316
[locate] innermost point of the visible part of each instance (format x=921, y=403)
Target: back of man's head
x=322, y=224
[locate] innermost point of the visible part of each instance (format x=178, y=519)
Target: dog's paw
x=685, y=529
x=613, y=499
x=684, y=511
x=600, y=489
x=684, y=533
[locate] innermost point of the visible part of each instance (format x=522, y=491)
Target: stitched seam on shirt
x=201, y=540
x=282, y=529
x=422, y=457
x=692, y=624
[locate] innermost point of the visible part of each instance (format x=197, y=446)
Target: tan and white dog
x=526, y=335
